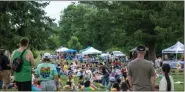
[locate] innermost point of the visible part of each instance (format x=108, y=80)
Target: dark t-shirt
x=4, y=61
x=141, y=71
x=105, y=70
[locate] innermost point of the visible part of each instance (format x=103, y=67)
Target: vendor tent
x=84, y=49
x=70, y=50
x=176, y=48
x=62, y=49
x=91, y=50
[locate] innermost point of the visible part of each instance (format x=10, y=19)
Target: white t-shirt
x=163, y=84
x=90, y=74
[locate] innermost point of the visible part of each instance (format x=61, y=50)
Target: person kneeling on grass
x=48, y=74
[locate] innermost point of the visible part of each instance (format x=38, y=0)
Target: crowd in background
x=138, y=74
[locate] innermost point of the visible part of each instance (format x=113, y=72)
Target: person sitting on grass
x=115, y=87
x=167, y=82
x=69, y=84
x=80, y=82
x=124, y=84
x=112, y=81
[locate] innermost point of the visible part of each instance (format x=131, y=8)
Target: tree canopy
x=124, y=25
x=24, y=19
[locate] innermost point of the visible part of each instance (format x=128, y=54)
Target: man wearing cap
x=141, y=74
x=4, y=69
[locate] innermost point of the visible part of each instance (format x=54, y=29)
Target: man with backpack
x=22, y=62
x=4, y=69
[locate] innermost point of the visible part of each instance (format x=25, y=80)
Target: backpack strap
x=22, y=53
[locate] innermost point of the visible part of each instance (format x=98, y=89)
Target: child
x=167, y=82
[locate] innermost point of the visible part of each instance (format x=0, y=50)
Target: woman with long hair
x=167, y=82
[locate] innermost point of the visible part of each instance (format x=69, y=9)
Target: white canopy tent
x=91, y=50
x=62, y=49
x=177, y=48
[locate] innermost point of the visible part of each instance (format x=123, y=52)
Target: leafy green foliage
x=74, y=43
x=124, y=25
x=24, y=19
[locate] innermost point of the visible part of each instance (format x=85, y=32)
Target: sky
x=55, y=7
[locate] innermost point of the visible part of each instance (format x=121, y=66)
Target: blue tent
x=71, y=50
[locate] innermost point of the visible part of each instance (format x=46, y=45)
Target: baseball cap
x=47, y=55
x=141, y=48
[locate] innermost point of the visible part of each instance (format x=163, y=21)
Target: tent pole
x=176, y=56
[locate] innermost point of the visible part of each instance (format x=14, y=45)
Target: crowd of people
x=137, y=75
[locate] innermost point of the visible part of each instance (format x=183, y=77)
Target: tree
x=148, y=23
x=74, y=43
x=124, y=25
x=24, y=19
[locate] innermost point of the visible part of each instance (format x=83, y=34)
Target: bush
x=35, y=54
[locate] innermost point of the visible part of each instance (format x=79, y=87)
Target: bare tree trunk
x=152, y=55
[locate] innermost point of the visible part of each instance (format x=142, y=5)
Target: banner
x=179, y=64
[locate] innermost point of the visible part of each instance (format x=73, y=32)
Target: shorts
x=5, y=77
x=49, y=85
x=124, y=75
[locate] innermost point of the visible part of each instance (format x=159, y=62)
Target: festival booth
x=66, y=53
x=71, y=50
x=175, y=49
x=90, y=54
x=62, y=49
x=84, y=49
x=91, y=50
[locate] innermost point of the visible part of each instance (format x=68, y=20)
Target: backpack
x=1, y=62
x=17, y=63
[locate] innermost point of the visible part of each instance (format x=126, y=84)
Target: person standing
x=4, y=69
x=167, y=82
x=48, y=74
x=141, y=74
x=24, y=77
x=105, y=72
